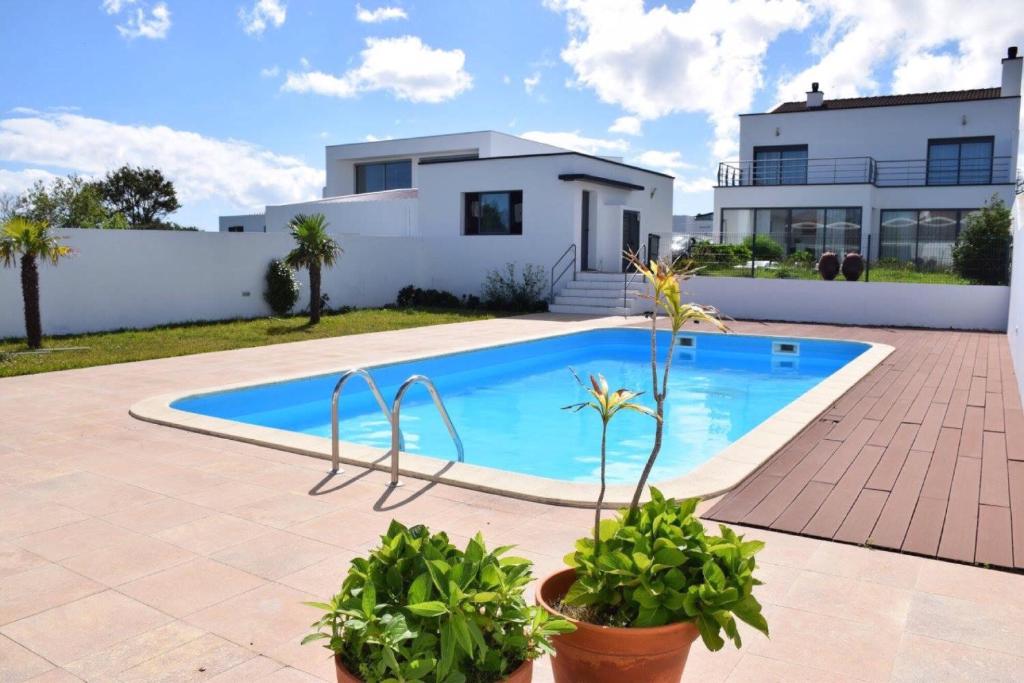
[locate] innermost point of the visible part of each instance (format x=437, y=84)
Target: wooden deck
x=925, y=455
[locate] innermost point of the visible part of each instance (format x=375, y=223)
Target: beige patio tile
x=18, y=664
x=14, y=560
x=345, y=528
x=843, y=598
x=259, y=619
x=226, y=497
x=75, y=538
x=866, y=564
x=127, y=560
x=158, y=515
x=283, y=511
x=177, y=481
x=290, y=675
x=929, y=659
x=77, y=629
x=196, y=660
x=191, y=586
x=312, y=658
x=91, y=493
x=210, y=534
x=275, y=554
x=106, y=664
x=40, y=588
x=254, y=669
x=755, y=669
x=984, y=625
x=36, y=516
x=969, y=583
x=323, y=578
x=55, y=676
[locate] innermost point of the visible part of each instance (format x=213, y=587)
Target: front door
x=585, y=232
x=630, y=236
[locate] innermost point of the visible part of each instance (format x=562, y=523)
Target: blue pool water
x=506, y=401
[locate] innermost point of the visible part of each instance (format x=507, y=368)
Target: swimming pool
x=506, y=401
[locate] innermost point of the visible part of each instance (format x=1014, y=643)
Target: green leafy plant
x=419, y=609
x=660, y=566
x=800, y=259
x=982, y=251
x=507, y=291
x=763, y=248
x=314, y=249
x=410, y=296
x=705, y=253
x=282, y=290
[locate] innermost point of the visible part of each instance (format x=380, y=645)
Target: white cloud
x=670, y=161
x=202, y=168
x=264, y=13
x=373, y=138
x=115, y=6
x=931, y=45
x=530, y=82
x=579, y=143
x=506, y=79
x=147, y=23
x=270, y=72
x=16, y=182
x=708, y=58
x=404, y=66
x=380, y=14
x=627, y=125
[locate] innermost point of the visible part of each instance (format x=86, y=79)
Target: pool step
x=582, y=309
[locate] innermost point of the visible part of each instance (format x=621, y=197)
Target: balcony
x=867, y=170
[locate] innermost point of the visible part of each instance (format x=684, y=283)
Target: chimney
x=1011, y=73
x=815, y=98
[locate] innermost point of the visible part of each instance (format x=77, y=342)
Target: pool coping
x=718, y=474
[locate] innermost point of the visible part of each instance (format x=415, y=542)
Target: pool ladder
x=393, y=416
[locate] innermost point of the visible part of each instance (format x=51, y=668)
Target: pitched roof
x=892, y=100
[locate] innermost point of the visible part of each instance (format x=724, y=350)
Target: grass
x=104, y=348
x=877, y=275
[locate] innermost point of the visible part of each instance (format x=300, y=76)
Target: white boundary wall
x=1015, y=324
x=964, y=307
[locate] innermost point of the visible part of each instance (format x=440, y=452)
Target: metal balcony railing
x=867, y=170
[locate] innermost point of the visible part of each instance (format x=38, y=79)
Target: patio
x=130, y=551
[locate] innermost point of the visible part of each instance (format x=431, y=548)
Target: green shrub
x=418, y=608
x=410, y=296
x=800, y=259
x=982, y=251
x=282, y=290
x=506, y=291
x=763, y=248
x=708, y=254
x=663, y=568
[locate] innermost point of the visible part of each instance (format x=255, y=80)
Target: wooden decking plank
x=773, y=505
x=892, y=525
x=887, y=428
x=884, y=476
x=803, y=507
x=857, y=526
x=737, y=507
x=970, y=436
x=930, y=427
x=788, y=458
x=853, y=417
x=925, y=527
x=995, y=544
x=976, y=395
x=919, y=407
x=829, y=517
x=994, y=421
x=940, y=472
x=966, y=373
x=994, y=476
x=832, y=470
x=955, y=409
x=1013, y=421
x=981, y=357
x=961, y=525
x=1017, y=512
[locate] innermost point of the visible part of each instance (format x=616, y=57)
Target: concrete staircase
x=599, y=294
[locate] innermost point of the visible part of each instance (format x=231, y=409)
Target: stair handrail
x=572, y=263
x=342, y=381
x=396, y=411
x=628, y=276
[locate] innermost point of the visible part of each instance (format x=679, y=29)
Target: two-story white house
x=485, y=199
x=891, y=176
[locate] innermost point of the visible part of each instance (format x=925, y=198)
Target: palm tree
x=314, y=249
x=27, y=242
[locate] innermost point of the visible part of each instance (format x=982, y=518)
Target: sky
x=235, y=100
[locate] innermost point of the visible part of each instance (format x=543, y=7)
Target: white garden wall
x=963, y=307
x=1015, y=323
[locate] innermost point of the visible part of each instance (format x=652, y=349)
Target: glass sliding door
x=780, y=165
x=960, y=161
x=842, y=230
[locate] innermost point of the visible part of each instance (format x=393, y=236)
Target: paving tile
x=843, y=597
x=866, y=564
x=14, y=560
x=931, y=659
x=40, y=588
x=75, y=539
x=229, y=495
x=18, y=664
x=158, y=515
x=126, y=561
x=755, y=669
x=260, y=619
x=973, y=584
x=191, y=586
x=984, y=625
x=91, y=493
x=275, y=554
x=284, y=510
x=107, y=664
x=255, y=669
x=196, y=660
x=211, y=534
x=36, y=516
x=349, y=528
x=323, y=578
x=77, y=629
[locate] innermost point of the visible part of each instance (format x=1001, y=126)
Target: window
x=236, y=228
x=924, y=237
x=494, y=213
x=780, y=165
x=814, y=230
x=960, y=161
x=384, y=175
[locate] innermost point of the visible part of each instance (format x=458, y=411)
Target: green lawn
x=178, y=340
x=876, y=275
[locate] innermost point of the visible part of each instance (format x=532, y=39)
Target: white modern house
x=483, y=199
x=890, y=176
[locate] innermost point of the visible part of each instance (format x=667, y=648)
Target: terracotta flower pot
x=604, y=654
x=524, y=674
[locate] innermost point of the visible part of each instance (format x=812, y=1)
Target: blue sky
x=235, y=100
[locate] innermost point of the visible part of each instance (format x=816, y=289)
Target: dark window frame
x=789, y=220
x=991, y=139
x=236, y=228
x=360, y=168
x=778, y=166
x=961, y=215
x=471, y=223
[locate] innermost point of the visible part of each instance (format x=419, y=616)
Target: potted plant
x=828, y=266
x=853, y=266
x=645, y=584
x=419, y=609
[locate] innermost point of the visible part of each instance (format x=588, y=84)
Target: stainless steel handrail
x=571, y=264
x=342, y=381
x=396, y=408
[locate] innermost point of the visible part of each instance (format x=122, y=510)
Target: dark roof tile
x=892, y=100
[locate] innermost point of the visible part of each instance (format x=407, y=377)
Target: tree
x=142, y=195
x=68, y=202
x=27, y=242
x=982, y=251
x=314, y=249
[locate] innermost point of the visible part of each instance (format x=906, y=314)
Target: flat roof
x=888, y=101
x=427, y=162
